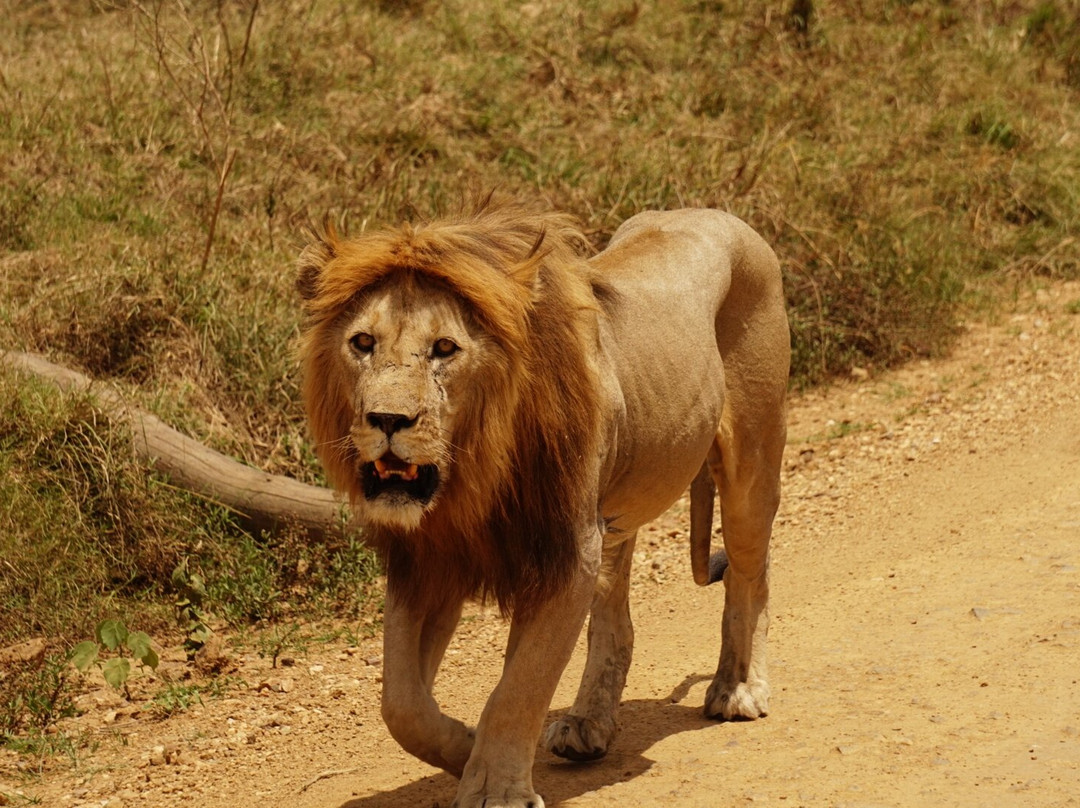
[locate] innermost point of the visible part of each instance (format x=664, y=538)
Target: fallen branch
x=265, y=501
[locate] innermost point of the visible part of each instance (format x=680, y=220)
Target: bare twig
x=230, y=157
x=204, y=81
x=327, y=775
x=247, y=33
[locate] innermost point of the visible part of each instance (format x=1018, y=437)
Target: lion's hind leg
x=588, y=728
x=746, y=462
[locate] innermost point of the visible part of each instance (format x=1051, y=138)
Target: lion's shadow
x=642, y=723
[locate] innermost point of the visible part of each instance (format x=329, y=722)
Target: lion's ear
x=313, y=258
x=527, y=270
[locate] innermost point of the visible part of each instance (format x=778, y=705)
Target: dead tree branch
x=265, y=501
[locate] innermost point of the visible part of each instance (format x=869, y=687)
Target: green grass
x=88, y=532
x=176, y=697
x=900, y=156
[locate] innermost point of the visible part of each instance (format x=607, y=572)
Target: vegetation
x=159, y=159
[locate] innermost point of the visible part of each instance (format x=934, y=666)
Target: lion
x=505, y=414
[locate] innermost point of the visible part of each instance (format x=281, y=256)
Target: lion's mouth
x=392, y=475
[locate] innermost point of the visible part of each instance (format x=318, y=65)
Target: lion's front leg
x=499, y=772
x=588, y=728
x=413, y=648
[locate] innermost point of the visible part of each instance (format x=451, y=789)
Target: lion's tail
x=708, y=569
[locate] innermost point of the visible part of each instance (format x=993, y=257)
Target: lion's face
x=408, y=353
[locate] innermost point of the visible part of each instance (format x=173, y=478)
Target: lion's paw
x=489, y=801
x=576, y=738
x=745, y=701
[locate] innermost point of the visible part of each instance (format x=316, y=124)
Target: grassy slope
x=894, y=153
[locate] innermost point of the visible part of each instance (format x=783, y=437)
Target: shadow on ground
x=641, y=724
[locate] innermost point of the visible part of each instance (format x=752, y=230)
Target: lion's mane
x=507, y=524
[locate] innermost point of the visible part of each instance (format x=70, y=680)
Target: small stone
x=29, y=651
x=157, y=756
x=373, y=660
x=980, y=612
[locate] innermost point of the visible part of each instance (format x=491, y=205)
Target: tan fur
x=582, y=397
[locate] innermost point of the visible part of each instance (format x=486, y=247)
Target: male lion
x=505, y=415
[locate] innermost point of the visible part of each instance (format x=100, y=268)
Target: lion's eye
x=362, y=343
x=443, y=348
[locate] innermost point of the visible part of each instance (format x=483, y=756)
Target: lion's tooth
x=380, y=467
x=411, y=473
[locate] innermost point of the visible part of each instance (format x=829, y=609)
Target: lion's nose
x=390, y=422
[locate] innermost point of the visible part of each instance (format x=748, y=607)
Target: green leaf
x=83, y=655
x=198, y=586
x=116, y=671
x=111, y=633
x=138, y=642
x=179, y=577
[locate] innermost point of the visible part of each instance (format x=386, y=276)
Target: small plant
x=176, y=697
x=190, y=590
x=1073, y=306
x=113, y=637
x=42, y=745
x=34, y=695
x=274, y=642
x=8, y=798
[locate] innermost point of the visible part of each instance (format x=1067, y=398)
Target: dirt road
x=925, y=640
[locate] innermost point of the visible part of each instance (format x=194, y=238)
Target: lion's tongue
x=388, y=466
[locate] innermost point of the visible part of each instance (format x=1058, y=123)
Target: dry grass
x=896, y=153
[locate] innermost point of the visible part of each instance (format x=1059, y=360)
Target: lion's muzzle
x=399, y=480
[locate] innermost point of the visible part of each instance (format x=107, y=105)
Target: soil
x=924, y=645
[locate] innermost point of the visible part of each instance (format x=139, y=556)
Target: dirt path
x=925, y=641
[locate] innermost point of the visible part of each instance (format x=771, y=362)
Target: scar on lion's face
x=408, y=348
